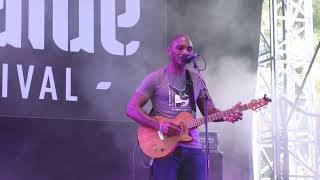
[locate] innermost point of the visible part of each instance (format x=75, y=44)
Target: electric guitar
x=156, y=145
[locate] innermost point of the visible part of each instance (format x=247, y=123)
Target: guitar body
x=155, y=147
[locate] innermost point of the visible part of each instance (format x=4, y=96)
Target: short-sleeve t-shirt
x=169, y=99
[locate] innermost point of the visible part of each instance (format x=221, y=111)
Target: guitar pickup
x=161, y=136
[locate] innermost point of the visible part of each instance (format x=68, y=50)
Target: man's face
x=180, y=47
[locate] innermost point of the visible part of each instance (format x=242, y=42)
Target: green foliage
x=316, y=20
x=316, y=29
x=316, y=14
x=316, y=37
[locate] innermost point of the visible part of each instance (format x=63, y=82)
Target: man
x=169, y=91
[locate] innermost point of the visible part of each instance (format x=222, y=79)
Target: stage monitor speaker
x=216, y=165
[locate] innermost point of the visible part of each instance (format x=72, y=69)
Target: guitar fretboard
x=215, y=116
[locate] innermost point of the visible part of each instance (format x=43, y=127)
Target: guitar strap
x=189, y=88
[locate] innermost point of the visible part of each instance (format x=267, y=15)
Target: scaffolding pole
x=285, y=140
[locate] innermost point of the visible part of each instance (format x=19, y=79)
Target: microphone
x=186, y=59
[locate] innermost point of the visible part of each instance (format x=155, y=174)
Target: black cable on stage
x=143, y=164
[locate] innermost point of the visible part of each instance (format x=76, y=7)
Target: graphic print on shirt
x=178, y=99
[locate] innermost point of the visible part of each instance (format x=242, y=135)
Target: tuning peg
x=265, y=97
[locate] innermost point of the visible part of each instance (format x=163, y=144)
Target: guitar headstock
x=256, y=104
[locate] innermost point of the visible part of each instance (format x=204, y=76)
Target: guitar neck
x=214, y=117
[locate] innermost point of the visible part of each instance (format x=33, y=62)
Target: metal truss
x=285, y=140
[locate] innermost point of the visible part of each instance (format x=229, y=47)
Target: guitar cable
x=143, y=164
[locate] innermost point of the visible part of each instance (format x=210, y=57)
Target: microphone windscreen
x=186, y=59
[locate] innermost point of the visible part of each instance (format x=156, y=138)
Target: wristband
x=160, y=127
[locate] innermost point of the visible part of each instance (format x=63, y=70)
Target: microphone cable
x=205, y=63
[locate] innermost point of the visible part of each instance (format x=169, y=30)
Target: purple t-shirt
x=169, y=98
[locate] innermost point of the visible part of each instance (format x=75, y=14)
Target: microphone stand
x=205, y=114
